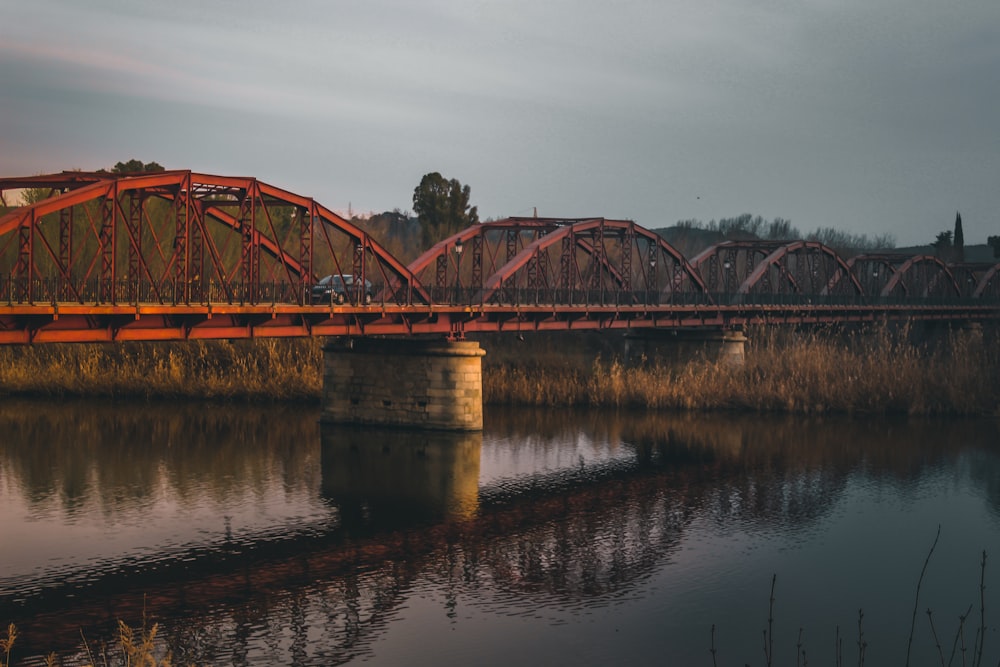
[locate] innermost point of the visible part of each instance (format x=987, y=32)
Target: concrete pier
x=413, y=383
x=686, y=345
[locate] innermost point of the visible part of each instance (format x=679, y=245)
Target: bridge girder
x=180, y=255
x=896, y=275
x=977, y=279
x=592, y=260
x=764, y=267
x=281, y=239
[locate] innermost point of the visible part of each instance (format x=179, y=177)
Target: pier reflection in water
x=254, y=536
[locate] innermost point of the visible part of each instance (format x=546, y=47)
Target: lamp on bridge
x=458, y=266
x=651, y=287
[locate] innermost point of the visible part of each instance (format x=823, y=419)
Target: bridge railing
x=653, y=298
x=123, y=292
x=540, y=296
x=95, y=291
x=762, y=300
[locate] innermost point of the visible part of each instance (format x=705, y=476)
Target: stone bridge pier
x=437, y=384
x=682, y=346
x=404, y=382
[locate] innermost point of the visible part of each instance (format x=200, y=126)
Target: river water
x=255, y=536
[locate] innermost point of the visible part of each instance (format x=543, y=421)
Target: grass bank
x=874, y=371
x=266, y=369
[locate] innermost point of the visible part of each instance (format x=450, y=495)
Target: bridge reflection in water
x=255, y=537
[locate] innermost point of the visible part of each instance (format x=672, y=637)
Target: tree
x=943, y=244
x=443, y=207
x=850, y=243
x=959, y=239
x=781, y=229
x=31, y=196
x=994, y=242
x=134, y=167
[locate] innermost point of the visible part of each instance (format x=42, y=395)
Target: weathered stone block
x=404, y=382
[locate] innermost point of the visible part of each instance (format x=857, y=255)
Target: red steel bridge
x=179, y=255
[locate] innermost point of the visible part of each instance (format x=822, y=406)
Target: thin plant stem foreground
x=960, y=652
x=136, y=647
x=878, y=371
x=141, y=645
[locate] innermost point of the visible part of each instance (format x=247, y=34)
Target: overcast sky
x=872, y=116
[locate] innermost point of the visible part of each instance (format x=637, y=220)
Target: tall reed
x=879, y=370
x=7, y=645
x=876, y=371
x=271, y=369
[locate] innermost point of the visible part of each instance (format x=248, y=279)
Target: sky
x=869, y=116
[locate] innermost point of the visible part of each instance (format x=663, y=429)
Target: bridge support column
x=404, y=382
x=684, y=346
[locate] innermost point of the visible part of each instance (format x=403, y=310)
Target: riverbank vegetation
x=266, y=369
x=135, y=646
x=878, y=370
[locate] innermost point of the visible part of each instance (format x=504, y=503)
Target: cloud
x=829, y=112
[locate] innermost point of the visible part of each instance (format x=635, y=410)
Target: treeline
x=692, y=236
x=441, y=208
x=403, y=235
x=395, y=231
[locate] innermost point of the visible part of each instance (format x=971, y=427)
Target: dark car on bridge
x=339, y=288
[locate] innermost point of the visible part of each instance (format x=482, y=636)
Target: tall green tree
x=443, y=207
x=958, y=239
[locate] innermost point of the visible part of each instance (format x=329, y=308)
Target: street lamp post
x=652, y=294
x=458, y=267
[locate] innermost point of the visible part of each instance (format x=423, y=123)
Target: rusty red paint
x=240, y=257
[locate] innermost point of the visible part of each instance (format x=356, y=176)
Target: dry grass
x=136, y=647
x=878, y=371
x=270, y=369
x=7, y=645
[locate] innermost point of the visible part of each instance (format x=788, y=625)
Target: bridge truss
x=180, y=255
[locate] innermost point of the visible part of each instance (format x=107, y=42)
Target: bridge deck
x=24, y=324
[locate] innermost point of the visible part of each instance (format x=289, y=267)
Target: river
x=253, y=535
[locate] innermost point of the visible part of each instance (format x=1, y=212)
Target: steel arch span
x=180, y=255
x=555, y=261
x=988, y=287
x=179, y=237
x=776, y=270
x=894, y=275
x=977, y=280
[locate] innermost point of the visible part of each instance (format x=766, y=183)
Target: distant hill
x=974, y=254
x=692, y=240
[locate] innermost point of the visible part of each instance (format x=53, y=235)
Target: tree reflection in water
x=303, y=545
